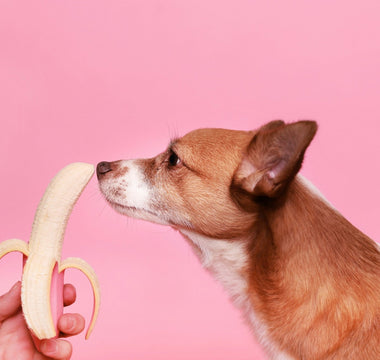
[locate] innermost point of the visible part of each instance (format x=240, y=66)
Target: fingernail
x=68, y=323
x=49, y=346
x=15, y=286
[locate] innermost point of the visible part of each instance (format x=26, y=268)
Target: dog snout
x=103, y=168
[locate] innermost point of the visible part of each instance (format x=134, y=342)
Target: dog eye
x=174, y=160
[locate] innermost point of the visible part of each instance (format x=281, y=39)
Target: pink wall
x=102, y=80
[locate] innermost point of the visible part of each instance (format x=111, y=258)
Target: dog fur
x=305, y=278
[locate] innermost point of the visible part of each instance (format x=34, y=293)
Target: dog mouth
x=137, y=213
x=157, y=214
x=127, y=208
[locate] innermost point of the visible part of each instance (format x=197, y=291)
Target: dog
x=306, y=280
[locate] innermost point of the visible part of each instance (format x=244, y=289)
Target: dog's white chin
x=138, y=213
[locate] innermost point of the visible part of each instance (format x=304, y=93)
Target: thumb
x=10, y=302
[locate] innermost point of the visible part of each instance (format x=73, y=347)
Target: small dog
x=307, y=281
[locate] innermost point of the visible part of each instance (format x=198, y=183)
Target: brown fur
x=313, y=279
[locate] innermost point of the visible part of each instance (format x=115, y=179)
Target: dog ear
x=273, y=157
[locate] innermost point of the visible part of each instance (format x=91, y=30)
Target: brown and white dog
x=307, y=281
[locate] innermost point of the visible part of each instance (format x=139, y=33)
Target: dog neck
x=296, y=258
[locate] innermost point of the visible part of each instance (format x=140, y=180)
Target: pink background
x=102, y=80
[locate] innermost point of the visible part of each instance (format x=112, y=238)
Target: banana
x=42, y=278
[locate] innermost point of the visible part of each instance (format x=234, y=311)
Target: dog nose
x=103, y=168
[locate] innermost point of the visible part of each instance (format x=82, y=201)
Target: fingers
x=68, y=324
x=69, y=294
x=56, y=349
x=71, y=324
x=10, y=302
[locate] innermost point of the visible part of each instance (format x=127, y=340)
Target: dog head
x=210, y=181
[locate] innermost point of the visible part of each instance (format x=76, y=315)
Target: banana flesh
x=42, y=279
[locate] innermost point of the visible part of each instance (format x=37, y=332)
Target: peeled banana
x=42, y=279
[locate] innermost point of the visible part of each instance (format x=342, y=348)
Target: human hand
x=16, y=342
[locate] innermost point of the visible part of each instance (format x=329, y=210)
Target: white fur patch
x=316, y=192
x=137, y=192
x=227, y=261
x=131, y=195
x=282, y=356
x=313, y=189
